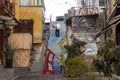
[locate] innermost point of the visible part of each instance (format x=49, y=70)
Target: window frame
x=30, y=3
x=101, y=3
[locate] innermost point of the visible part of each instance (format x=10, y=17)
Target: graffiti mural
x=82, y=11
x=87, y=37
x=84, y=28
x=85, y=24
x=91, y=49
x=91, y=46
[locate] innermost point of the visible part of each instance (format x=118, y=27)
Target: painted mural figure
x=61, y=62
x=57, y=30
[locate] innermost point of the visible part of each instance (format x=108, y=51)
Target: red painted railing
x=49, y=63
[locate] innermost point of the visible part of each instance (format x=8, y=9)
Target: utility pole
x=105, y=17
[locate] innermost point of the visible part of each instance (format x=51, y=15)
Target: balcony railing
x=7, y=5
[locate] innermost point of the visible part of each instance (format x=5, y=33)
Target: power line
x=65, y=3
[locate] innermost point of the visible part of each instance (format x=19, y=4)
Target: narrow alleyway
x=54, y=47
x=53, y=43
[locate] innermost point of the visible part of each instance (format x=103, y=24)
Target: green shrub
x=108, y=54
x=118, y=69
x=75, y=67
x=90, y=77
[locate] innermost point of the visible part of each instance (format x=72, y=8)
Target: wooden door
x=2, y=57
x=1, y=41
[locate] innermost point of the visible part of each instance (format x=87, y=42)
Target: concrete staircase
x=37, y=59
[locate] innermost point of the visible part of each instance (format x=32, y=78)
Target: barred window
x=101, y=3
x=30, y=2
x=90, y=3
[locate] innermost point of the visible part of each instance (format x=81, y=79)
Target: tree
x=108, y=55
x=75, y=65
x=101, y=20
x=75, y=49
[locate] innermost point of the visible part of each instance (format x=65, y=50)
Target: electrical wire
x=62, y=4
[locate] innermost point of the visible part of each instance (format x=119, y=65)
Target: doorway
x=118, y=34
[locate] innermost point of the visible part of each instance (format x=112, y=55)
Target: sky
x=57, y=7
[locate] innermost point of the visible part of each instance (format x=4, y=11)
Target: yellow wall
x=16, y=9
x=34, y=13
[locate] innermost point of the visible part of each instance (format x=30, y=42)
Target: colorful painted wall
x=85, y=30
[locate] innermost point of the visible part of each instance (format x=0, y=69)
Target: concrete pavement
x=7, y=74
x=41, y=77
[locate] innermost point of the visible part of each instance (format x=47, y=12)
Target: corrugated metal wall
x=20, y=40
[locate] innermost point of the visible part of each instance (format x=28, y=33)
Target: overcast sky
x=57, y=7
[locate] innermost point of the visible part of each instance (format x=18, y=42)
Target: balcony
x=6, y=7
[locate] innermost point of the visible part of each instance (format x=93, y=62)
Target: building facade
x=32, y=9
x=82, y=23
x=28, y=18
x=112, y=31
x=7, y=22
x=91, y=3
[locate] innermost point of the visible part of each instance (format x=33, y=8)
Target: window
x=30, y=2
x=90, y=3
x=39, y=3
x=24, y=2
x=101, y=2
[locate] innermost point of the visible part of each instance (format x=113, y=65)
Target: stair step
x=37, y=66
